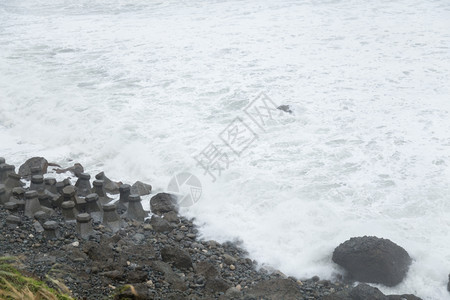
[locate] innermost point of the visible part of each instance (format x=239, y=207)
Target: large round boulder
x=34, y=162
x=373, y=259
x=163, y=203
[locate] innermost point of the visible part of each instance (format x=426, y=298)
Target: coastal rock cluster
x=76, y=238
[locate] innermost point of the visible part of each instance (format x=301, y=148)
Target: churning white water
x=138, y=88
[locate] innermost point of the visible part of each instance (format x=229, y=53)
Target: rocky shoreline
x=160, y=257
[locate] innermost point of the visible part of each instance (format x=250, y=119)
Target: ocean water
x=140, y=89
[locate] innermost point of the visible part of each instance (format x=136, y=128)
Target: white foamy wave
x=137, y=89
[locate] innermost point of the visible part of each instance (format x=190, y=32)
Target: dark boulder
x=162, y=203
x=275, y=289
x=159, y=224
x=171, y=217
x=141, y=188
x=372, y=259
x=360, y=292
x=448, y=284
x=285, y=108
x=34, y=162
x=364, y=291
x=177, y=256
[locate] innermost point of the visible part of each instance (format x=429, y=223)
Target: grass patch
x=15, y=285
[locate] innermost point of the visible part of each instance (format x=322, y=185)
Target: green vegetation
x=15, y=285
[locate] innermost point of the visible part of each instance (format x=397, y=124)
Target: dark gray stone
x=13, y=221
x=171, y=217
x=207, y=269
x=162, y=203
x=159, y=224
x=285, y=108
x=141, y=188
x=76, y=170
x=275, y=289
x=364, y=291
x=37, y=162
x=214, y=283
x=372, y=259
x=177, y=256
x=217, y=284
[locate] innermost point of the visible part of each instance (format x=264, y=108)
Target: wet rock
x=171, y=217
x=275, y=289
x=285, y=108
x=177, y=256
x=372, y=259
x=163, y=203
x=141, y=188
x=364, y=291
x=76, y=170
x=39, y=163
x=109, y=185
x=159, y=224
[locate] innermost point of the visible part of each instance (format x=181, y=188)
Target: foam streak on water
x=136, y=88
